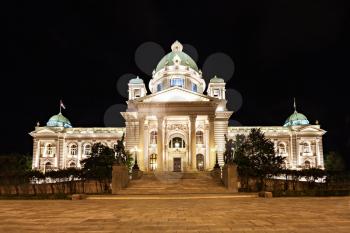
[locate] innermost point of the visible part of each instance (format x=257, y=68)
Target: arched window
x=282, y=148
x=72, y=164
x=87, y=149
x=153, y=137
x=199, y=137
x=177, y=142
x=48, y=166
x=307, y=164
x=73, y=150
x=49, y=150
x=307, y=148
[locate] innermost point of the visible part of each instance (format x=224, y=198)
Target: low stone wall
x=87, y=187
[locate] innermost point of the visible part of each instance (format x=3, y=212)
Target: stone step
x=174, y=183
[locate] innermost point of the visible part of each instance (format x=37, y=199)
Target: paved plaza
x=240, y=214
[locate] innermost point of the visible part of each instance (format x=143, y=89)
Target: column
x=145, y=147
x=37, y=155
x=141, y=148
x=160, y=144
x=193, y=141
x=318, y=157
x=79, y=154
x=211, y=142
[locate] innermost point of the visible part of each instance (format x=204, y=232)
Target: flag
x=62, y=105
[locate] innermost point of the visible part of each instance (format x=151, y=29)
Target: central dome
x=176, y=56
x=59, y=121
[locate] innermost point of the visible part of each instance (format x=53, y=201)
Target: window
x=281, y=148
x=194, y=87
x=153, y=137
x=73, y=150
x=307, y=148
x=49, y=149
x=137, y=93
x=87, y=149
x=72, y=164
x=153, y=162
x=199, y=137
x=179, y=82
x=177, y=142
x=159, y=87
x=216, y=92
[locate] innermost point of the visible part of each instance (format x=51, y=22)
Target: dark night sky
x=76, y=52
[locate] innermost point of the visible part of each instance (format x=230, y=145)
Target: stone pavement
x=178, y=215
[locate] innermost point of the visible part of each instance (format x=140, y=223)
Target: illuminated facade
x=174, y=128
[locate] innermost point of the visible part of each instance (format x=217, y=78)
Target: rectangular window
x=194, y=87
x=216, y=92
x=137, y=93
x=179, y=82
x=159, y=87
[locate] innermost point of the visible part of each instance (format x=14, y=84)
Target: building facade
x=176, y=127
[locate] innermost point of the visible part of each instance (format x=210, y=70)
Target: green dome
x=217, y=80
x=184, y=59
x=136, y=80
x=59, y=121
x=296, y=119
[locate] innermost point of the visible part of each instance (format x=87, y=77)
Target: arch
x=200, y=162
x=307, y=164
x=72, y=164
x=48, y=166
x=177, y=142
x=153, y=162
x=199, y=137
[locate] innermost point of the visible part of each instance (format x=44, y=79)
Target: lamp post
x=216, y=166
x=136, y=166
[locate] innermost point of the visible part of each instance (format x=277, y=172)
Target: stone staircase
x=164, y=183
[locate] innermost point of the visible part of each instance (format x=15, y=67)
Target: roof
x=136, y=80
x=177, y=53
x=59, y=121
x=217, y=80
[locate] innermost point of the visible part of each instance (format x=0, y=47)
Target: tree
x=334, y=162
x=255, y=156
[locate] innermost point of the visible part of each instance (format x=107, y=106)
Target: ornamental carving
x=182, y=127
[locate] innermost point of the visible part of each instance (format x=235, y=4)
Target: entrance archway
x=200, y=162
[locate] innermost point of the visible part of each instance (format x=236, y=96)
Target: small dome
x=217, y=80
x=136, y=80
x=59, y=121
x=296, y=119
x=176, y=55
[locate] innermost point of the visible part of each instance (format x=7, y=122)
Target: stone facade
x=175, y=128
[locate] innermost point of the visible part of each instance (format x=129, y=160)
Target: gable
x=175, y=94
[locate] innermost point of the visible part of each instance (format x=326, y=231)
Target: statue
x=228, y=154
x=120, y=154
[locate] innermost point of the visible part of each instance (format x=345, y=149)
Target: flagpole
x=60, y=106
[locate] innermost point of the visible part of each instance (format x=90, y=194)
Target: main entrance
x=200, y=162
x=177, y=165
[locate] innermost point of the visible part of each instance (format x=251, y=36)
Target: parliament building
x=176, y=127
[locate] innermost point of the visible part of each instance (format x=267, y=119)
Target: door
x=200, y=162
x=177, y=164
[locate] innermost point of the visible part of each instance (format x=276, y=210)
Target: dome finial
x=176, y=46
x=295, y=106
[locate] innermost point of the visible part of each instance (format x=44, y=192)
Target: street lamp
x=216, y=166
x=136, y=166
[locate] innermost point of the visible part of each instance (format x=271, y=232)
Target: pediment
x=311, y=128
x=175, y=94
